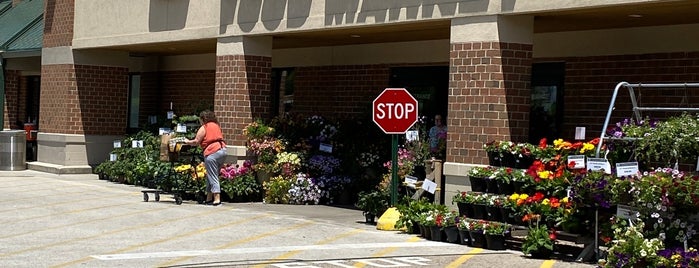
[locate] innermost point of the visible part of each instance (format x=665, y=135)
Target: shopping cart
x=174, y=182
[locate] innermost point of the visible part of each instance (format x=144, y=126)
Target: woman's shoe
x=208, y=203
x=216, y=204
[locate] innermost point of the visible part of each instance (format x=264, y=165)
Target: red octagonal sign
x=395, y=110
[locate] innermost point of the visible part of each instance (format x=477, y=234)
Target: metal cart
x=175, y=185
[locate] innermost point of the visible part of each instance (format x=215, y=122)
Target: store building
x=497, y=69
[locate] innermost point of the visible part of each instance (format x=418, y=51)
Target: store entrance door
x=546, y=116
x=428, y=84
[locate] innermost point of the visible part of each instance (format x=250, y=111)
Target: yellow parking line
x=241, y=241
x=386, y=251
x=464, y=258
x=548, y=264
x=292, y=253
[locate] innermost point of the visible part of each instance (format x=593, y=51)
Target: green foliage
x=671, y=141
x=373, y=202
x=243, y=187
x=538, y=238
x=258, y=130
x=410, y=211
x=277, y=190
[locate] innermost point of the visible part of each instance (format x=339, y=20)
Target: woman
x=210, y=138
x=437, y=134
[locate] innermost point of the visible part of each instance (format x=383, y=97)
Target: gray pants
x=213, y=164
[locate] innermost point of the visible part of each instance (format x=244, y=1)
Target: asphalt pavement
x=53, y=220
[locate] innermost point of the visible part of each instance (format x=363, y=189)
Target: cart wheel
x=178, y=200
x=145, y=197
x=157, y=196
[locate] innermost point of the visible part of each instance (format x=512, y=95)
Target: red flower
x=594, y=141
x=542, y=143
x=552, y=235
x=538, y=196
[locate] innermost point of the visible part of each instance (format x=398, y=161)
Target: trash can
x=13, y=150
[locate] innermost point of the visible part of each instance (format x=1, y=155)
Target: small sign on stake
x=411, y=135
x=595, y=164
x=117, y=144
x=137, y=144
x=578, y=161
x=324, y=147
x=112, y=157
x=627, y=169
x=429, y=186
x=580, y=133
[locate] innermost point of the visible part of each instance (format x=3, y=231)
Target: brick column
x=489, y=85
x=490, y=69
x=13, y=100
x=243, y=78
x=83, y=103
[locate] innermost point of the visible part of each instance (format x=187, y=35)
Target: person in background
x=438, y=136
x=210, y=138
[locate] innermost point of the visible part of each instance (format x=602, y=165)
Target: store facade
x=496, y=69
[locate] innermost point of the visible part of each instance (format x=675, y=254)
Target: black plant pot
x=452, y=234
x=464, y=237
x=478, y=239
x=491, y=186
x=508, y=160
x=505, y=187
x=478, y=184
x=438, y=234
x=465, y=209
x=524, y=162
x=494, y=159
x=495, y=242
x=479, y=212
x=494, y=213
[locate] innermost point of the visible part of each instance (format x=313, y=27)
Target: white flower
x=643, y=253
x=661, y=236
x=655, y=215
x=660, y=220
x=663, y=208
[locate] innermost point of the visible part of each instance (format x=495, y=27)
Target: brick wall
x=12, y=99
x=189, y=91
x=83, y=99
x=58, y=22
x=242, y=93
x=488, y=98
x=590, y=82
x=338, y=91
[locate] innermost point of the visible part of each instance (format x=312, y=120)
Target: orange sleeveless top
x=213, y=140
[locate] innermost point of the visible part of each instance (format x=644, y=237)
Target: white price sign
x=112, y=157
x=576, y=161
x=323, y=147
x=429, y=186
x=627, y=169
x=136, y=144
x=117, y=144
x=596, y=164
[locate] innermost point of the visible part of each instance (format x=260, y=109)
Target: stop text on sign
x=394, y=110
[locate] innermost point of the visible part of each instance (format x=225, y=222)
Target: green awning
x=21, y=26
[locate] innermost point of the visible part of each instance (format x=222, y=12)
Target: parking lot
x=79, y=221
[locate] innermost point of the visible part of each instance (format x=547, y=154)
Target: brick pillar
x=243, y=78
x=83, y=103
x=12, y=99
x=489, y=85
x=490, y=69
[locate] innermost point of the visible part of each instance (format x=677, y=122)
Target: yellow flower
x=545, y=202
x=544, y=174
x=183, y=168
x=586, y=147
x=514, y=197
x=564, y=200
x=558, y=143
x=523, y=196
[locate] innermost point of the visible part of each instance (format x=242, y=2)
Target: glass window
x=134, y=99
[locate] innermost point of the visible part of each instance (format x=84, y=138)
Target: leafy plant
x=373, y=202
x=538, y=238
x=277, y=190
x=410, y=211
x=497, y=228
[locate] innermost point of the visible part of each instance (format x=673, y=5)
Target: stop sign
x=395, y=110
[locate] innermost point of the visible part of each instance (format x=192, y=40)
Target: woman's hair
x=207, y=116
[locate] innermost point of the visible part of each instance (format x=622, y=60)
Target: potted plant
x=503, y=180
x=631, y=249
x=495, y=233
x=463, y=225
x=373, y=203
x=446, y=221
x=492, y=148
x=476, y=229
x=539, y=241
x=478, y=176
x=464, y=202
x=410, y=211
